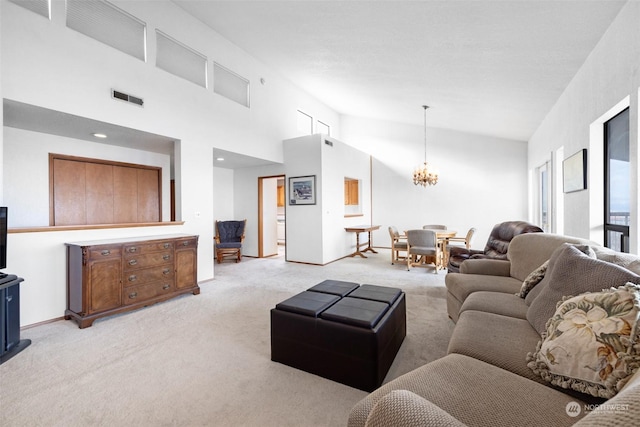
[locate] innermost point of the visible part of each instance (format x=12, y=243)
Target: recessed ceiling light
x=220, y=159
x=99, y=135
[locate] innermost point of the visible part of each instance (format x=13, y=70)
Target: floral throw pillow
x=533, y=279
x=591, y=344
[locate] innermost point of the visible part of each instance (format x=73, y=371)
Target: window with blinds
x=108, y=24
x=230, y=85
x=41, y=7
x=180, y=60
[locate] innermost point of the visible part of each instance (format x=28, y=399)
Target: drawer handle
x=166, y=257
x=166, y=271
x=167, y=246
x=166, y=287
x=105, y=252
x=186, y=243
x=132, y=295
x=133, y=249
x=132, y=262
x=133, y=278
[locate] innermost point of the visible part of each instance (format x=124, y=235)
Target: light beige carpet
x=205, y=360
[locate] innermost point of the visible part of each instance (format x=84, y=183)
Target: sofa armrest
x=403, y=408
x=491, y=267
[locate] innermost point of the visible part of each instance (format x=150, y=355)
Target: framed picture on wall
x=574, y=172
x=302, y=190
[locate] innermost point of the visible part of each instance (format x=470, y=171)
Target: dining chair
x=434, y=227
x=398, y=244
x=460, y=241
x=422, y=249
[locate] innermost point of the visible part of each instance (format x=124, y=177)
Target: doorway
x=271, y=215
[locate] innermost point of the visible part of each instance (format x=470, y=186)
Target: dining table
x=443, y=237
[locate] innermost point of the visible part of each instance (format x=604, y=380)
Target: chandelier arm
x=425, y=133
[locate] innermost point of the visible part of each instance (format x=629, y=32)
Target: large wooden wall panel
x=93, y=191
x=148, y=195
x=69, y=192
x=99, y=193
x=125, y=191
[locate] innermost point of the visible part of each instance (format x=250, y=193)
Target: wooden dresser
x=106, y=277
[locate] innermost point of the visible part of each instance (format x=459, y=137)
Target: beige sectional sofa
x=500, y=369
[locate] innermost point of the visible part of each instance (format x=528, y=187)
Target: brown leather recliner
x=496, y=246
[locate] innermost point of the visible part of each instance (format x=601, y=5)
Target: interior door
x=269, y=216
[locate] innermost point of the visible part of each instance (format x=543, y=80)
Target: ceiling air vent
x=126, y=97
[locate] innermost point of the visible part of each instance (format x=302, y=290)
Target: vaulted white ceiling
x=486, y=67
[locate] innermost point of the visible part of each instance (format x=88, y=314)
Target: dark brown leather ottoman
x=341, y=331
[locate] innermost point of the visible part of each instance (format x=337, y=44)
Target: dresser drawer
x=191, y=242
x=134, y=262
x=146, y=275
x=141, y=293
x=100, y=252
x=143, y=248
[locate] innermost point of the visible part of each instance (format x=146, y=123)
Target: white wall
x=27, y=174
x=339, y=162
x=482, y=180
x=315, y=233
x=304, y=226
x=245, y=201
x=609, y=75
x=48, y=65
x=223, y=195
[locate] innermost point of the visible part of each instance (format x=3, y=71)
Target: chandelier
x=422, y=175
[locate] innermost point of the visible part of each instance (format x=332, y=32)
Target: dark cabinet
x=104, y=282
x=111, y=276
x=186, y=263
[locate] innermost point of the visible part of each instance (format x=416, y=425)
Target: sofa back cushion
x=572, y=272
x=529, y=251
x=535, y=291
x=628, y=261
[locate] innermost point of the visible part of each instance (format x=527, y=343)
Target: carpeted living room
x=429, y=211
